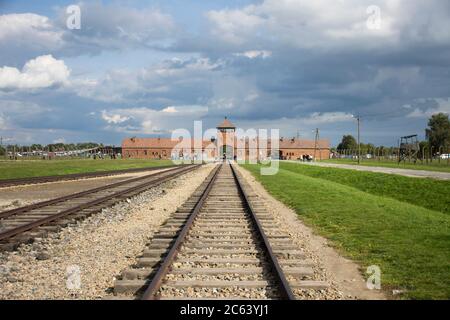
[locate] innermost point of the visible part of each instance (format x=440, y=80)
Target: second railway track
x=5, y=183
x=21, y=225
x=222, y=243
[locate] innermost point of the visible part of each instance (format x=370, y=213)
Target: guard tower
x=226, y=139
x=409, y=149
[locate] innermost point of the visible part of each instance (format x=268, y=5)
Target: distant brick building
x=227, y=143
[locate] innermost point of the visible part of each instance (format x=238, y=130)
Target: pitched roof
x=303, y=144
x=226, y=124
x=288, y=143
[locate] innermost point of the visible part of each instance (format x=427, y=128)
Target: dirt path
x=343, y=274
x=403, y=172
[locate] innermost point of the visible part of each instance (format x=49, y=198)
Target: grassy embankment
x=36, y=168
x=398, y=223
x=443, y=166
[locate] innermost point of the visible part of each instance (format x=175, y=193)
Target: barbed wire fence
x=425, y=156
x=17, y=152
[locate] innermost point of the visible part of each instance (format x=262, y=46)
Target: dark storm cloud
x=276, y=62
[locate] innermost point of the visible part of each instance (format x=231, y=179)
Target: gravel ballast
x=82, y=260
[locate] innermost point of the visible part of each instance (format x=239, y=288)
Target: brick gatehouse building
x=227, y=143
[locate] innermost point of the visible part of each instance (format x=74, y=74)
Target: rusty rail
x=155, y=284
x=285, y=289
x=157, y=281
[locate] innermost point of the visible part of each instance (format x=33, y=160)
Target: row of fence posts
x=426, y=155
x=12, y=153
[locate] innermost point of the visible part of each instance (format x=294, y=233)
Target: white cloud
x=329, y=24
x=42, y=72
x=252, y=96
x=115, y=26
x=18, y=24
x=328, y=117
x=104, y=27
x=252, y=54
x=33, y=30
x=165, y=79
x=170, y=110
x=234, y=25
x=114, y=118
x=151, y=121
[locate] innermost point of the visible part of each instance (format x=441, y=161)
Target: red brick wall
x=155, y=153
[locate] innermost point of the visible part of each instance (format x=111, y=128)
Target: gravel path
x=402, y=172
x=343, y=275
x=99, y=247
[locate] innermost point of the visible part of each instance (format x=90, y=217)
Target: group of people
x=224, y=158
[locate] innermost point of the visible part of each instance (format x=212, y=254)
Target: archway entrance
x=228, y=151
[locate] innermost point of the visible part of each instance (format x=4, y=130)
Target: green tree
x=36, y=147
x=438, y=132
x=348, y=142
x=87, y=145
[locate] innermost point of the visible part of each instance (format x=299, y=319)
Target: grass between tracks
x=38, y=168
x=410, y=243
x=443, y=166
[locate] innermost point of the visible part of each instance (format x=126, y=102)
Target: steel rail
x=157, y=280
x=74, y=176
x=9, y=213
x=285, y=289
x=39, y=222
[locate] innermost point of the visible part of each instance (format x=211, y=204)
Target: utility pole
x=359, y=141
x=316, y=144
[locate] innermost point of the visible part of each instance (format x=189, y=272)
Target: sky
x=146, y=68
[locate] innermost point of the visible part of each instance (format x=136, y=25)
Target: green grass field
x=375, y=221
x=427, y=193
x=36, y=168
x=434, y=166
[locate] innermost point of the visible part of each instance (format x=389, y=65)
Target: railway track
x=22, y=225
x=67, y=177
x=222, y=243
